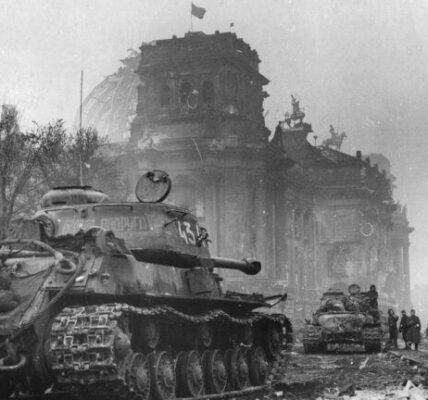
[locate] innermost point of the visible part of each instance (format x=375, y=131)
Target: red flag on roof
x=198, y=12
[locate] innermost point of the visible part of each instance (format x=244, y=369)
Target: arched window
x=307, y=224
x=230, y=87
x=208, y=92
x=165, y=96
x=185, y=89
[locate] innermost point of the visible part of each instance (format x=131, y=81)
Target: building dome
x=111, y=105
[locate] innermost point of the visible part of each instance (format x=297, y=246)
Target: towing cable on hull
x=12, y=361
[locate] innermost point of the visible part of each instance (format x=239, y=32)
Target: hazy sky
x=362, y=65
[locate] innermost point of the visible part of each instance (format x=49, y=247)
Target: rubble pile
x=353, y=376
x=409, y=392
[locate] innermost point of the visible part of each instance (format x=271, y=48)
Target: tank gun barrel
x=248, y=266
x=181, y=260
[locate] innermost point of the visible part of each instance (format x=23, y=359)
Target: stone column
x=406, y=275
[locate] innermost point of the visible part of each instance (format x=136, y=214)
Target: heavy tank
x=123, y=300
x=343, y=320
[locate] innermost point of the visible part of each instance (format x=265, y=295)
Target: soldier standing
x=373, y=295
x=393, y=331
x=414, y=328
x=403, y=328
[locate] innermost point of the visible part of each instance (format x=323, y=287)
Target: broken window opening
x=185, y=89
x=208, y=92
x=165, y=96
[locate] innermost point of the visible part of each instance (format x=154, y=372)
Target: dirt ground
x=343, y=374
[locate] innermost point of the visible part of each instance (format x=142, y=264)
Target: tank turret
x=126, y=299
x=64, y=195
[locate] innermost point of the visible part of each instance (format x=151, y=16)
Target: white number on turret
x=187, y=231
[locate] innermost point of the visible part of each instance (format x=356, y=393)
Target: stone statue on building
x=297, y=114
x=335, y=140
x=295, y=119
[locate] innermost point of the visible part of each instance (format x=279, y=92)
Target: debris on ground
x=355, y=376
x=364, y=363
x=409, y=392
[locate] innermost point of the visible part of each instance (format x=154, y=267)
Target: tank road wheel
x=151, y=334
x=247, y=335
x=258, y=364
x=206, y=335
x=215, y=371
x=138, y=376
x=272, y=341
x=237, y=367
x=162, y=375
x=190, y=376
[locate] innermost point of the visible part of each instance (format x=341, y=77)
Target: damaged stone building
x=316, y=217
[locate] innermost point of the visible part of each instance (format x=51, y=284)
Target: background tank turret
x=124, y=300
x=351, y=319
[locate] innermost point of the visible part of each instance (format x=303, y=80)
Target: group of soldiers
x=410, y=328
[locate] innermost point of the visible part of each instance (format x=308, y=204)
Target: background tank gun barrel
x=181, y=260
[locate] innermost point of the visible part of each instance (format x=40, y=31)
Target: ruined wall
x=335, y=223
x=315, y=217
x=203, y=116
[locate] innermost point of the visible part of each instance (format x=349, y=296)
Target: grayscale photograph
x=214, y=200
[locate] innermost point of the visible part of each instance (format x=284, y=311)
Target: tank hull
x=123, y=300
x=156, y=320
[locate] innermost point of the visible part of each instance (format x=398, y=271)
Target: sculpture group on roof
x=335, y=140
x=297, y=115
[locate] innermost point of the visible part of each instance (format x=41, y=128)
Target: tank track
x=372, y=339
x=89, y=350
x=312, y=339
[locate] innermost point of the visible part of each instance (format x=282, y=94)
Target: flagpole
x=81, y=99
x=80, y=128
x=191, y=18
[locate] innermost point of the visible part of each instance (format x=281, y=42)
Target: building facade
x=314, y=216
